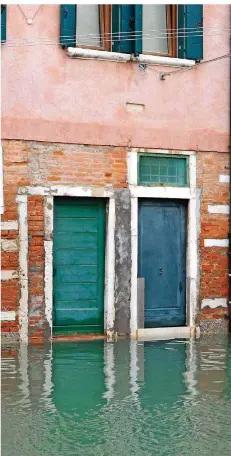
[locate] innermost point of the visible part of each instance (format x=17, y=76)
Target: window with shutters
x=167, y=30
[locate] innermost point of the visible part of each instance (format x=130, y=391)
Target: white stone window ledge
x=79, y=53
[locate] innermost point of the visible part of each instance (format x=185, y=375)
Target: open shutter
x=68, y=25
x=3, y=23
x=123, y=25
x=138, y=28
x=190, y=32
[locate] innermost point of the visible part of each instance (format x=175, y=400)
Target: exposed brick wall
x=10, y=295
x=36, y=163
x=16, y=174
x=9, y=302
x=9, y=288
x=9, y=326
x=36, y=267
x=9, y=260
x=214, y=260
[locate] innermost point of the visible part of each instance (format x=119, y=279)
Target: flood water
x=165, y=398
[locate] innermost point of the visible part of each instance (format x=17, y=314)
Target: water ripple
x=163, y=399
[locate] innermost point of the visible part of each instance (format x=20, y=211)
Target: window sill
x=79, y=53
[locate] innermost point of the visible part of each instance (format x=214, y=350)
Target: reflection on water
x=167, y=398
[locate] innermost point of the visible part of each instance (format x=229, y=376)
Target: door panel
x=79, y=251
x=64, y=291
x=76, y=240
x=68, y=225
x=75, y=274
x=77, y=316
x=68, y=256
x=162, y=261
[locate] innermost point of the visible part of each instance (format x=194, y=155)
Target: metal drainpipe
x=229, y=301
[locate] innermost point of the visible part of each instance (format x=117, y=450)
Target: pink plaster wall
x=47, y=96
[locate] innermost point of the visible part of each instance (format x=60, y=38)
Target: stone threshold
x=184, y=332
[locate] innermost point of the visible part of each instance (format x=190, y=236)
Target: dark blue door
x=162, y=261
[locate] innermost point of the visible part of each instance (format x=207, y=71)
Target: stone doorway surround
x=186, y=193
x=49, y=193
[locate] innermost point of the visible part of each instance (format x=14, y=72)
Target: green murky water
x=168, y=398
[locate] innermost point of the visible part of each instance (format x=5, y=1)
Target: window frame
x=105, y=14
x=159, y=184
x=104, y=28
x=172, y=38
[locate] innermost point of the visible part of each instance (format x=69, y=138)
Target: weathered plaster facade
x=73, y=125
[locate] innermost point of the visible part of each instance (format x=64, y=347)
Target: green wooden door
x=79, y=253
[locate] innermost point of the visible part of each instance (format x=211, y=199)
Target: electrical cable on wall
x=125, y=36
x=132, y=36
x=180, y=70
x=166, y=32
x=119, y=37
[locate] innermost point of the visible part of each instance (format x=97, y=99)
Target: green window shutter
x=123, y=24
x=190, y=33
x=68, y=25
x=138, y=28
x=3, y=23
x=181, y=36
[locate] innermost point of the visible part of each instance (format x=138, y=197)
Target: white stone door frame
x=184, y=193
x=49, y=193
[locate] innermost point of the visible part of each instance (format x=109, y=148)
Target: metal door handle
x=160, y=271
